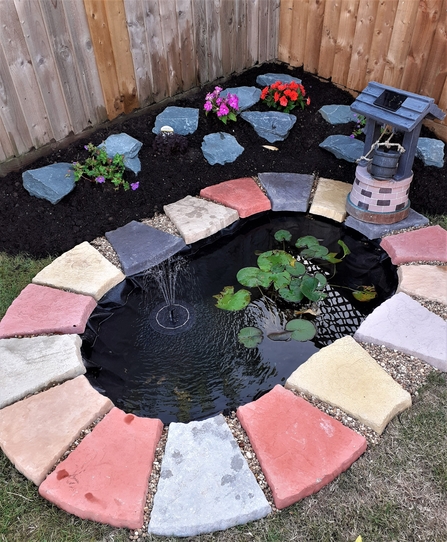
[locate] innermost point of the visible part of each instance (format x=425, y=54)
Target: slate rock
x=430, y=151
x=221, y=148
x=344, y=147
x=126, y=145
x=51, y=182
x=270, y=78
x=248, y=96
x=272, y=126
x=184, y=120
x=337, y=114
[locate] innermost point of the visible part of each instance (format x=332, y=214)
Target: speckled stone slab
x=205, y=483
x=287, y=191
x=330, y=199
x=427, y=281
x=424, y=245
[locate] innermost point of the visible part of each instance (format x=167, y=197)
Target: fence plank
x=227, y=25
x=331, y=20
x=263, y=30
x=214, y=42
x=168, y=19
x=252, y=32
x=241, y=47
x=201, y=39
x=273, y=39
x=345, y=38
x=6, y=149
x=313, y=35
x=188, y=62
x=285, y=30
x=299, y=33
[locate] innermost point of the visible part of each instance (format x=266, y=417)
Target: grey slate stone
x=248, y=96
x=184, y=120
x=377, y=231
x=51, y=182
x=205, y=482
x=221, y=148
x=140, y=247
x=287, y=191
x=344, y=147
x=272, y=126
x=430, y=151
x=270, y=78
x=337, y=114
x=126, y=145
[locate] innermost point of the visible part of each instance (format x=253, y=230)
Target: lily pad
x=315, y=251
x=231, y=301
x=302, y=330
x=283, y=235
x=280, y=280
x=275, y=261
x=253, y=276
x=296, y=270
x=365, y=293
x=250, y=337
x=306, y=241
x=310, y=288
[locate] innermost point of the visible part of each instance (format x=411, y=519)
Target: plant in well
x=285, y=96
x=226, y=108
x=360, y=124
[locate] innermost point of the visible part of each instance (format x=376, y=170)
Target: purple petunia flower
x=100, y=179
x=134, y=186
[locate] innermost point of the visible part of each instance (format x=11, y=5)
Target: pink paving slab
x=424, y=245
x=106, y=477
x=300, y=448
x=39, y=310
x=243, y=195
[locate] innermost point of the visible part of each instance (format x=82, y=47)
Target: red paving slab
x=424, y=245
x=39, y=310
x=106, y=477
x=243, y=195
x=300, y=448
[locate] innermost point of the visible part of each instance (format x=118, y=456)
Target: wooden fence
x=68, y=65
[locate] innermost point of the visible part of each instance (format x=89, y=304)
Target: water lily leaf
x=296, y=270
x=250, y=337
x=309, y=287
x=332, y=258
x=293, y=293
x=283, y=235
x=302, y=330
x=306, y=241
x=275, y=261
x=280, y=280
x=365, y=293
x=322, y=280
x=344, y=247
x=314, y=251
x=230, y=301
x=280, y=336
x=253, y=276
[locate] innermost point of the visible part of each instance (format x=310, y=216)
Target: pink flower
x=223, y=110
x=233, y=101
x=134, y=186
x=208, y=106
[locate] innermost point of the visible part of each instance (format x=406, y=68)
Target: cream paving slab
x=330, y=199
x=30, y=364
x=427, y=281
x=424, y=245
x=197, y=218
x=344, y=375
x=37, y=431
x=82, y=270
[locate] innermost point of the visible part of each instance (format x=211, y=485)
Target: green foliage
x=250, y=337
x=231, y=301
x=302, y=330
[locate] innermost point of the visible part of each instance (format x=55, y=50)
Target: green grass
x=437, y=220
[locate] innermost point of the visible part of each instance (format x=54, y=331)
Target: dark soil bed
x=39, y=228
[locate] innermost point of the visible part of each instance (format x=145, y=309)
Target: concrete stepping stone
x=403, y=324
x=330, y=199
x=300, y=448
x=197, y=218
x=427, y=281
x=29, y=365
x=140, y=247
x=243, y=194
x=344, y=375
x=106, y=477
x=37, y=431
x=51, y=182
x=39, y=310
x=424, y=245
x=287, y=191
x=344, y=147
x=377, y=231
x=82, y=270
x=271, y=125
x=205, y=483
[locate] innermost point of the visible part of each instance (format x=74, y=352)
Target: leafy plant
x=285, y=96
x=225, y=108
x=359, y=125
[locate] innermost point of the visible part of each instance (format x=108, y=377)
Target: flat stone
x=140, y=247
x=243, y=194
x=427, y=281
x=271, y=125
x=29, y=365
x=247, y=96
x=126, y=145
x=37, y=431
x=287, y=191
x=430, y=151
x=330, y=199
x=403, y=324
x=51, y=182
x=221, y=148
x=377, y=231
x=39, y=310
x=344, y=375
x=197, y=219
x=82, y=270
x=344, y=147
x=106, y=477
x=424, y=245
x=300, y=448
x=337, y=114
x=184, y=120
x=268, y=79
x=205, y=482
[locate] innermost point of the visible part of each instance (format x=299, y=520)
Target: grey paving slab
x=287, y=191
x=205, y=483
x=197, y=218
x=140, y=247
x=403, y=324
x=31, y=364
x=377, y=231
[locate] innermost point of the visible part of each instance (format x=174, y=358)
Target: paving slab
x=37, y=431
x=344, y=375
x=330, y=199
x=300, y=448
x=243, y=195
x=38, y=310
x=205, y=483
x=427, y=281
x=287, y=191
x=377, y=231
x=140, y=246
x=106, y=477
x=424, y=245
x=32, y=364
x=403, y=324
x=197, y=218
x=82, y=270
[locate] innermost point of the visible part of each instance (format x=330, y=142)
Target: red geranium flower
x=285, y=96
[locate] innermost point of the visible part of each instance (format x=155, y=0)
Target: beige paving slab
x=344, y=375
x=82, y=270
x=330, y=199
x=427, y=281
x=37, y=431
